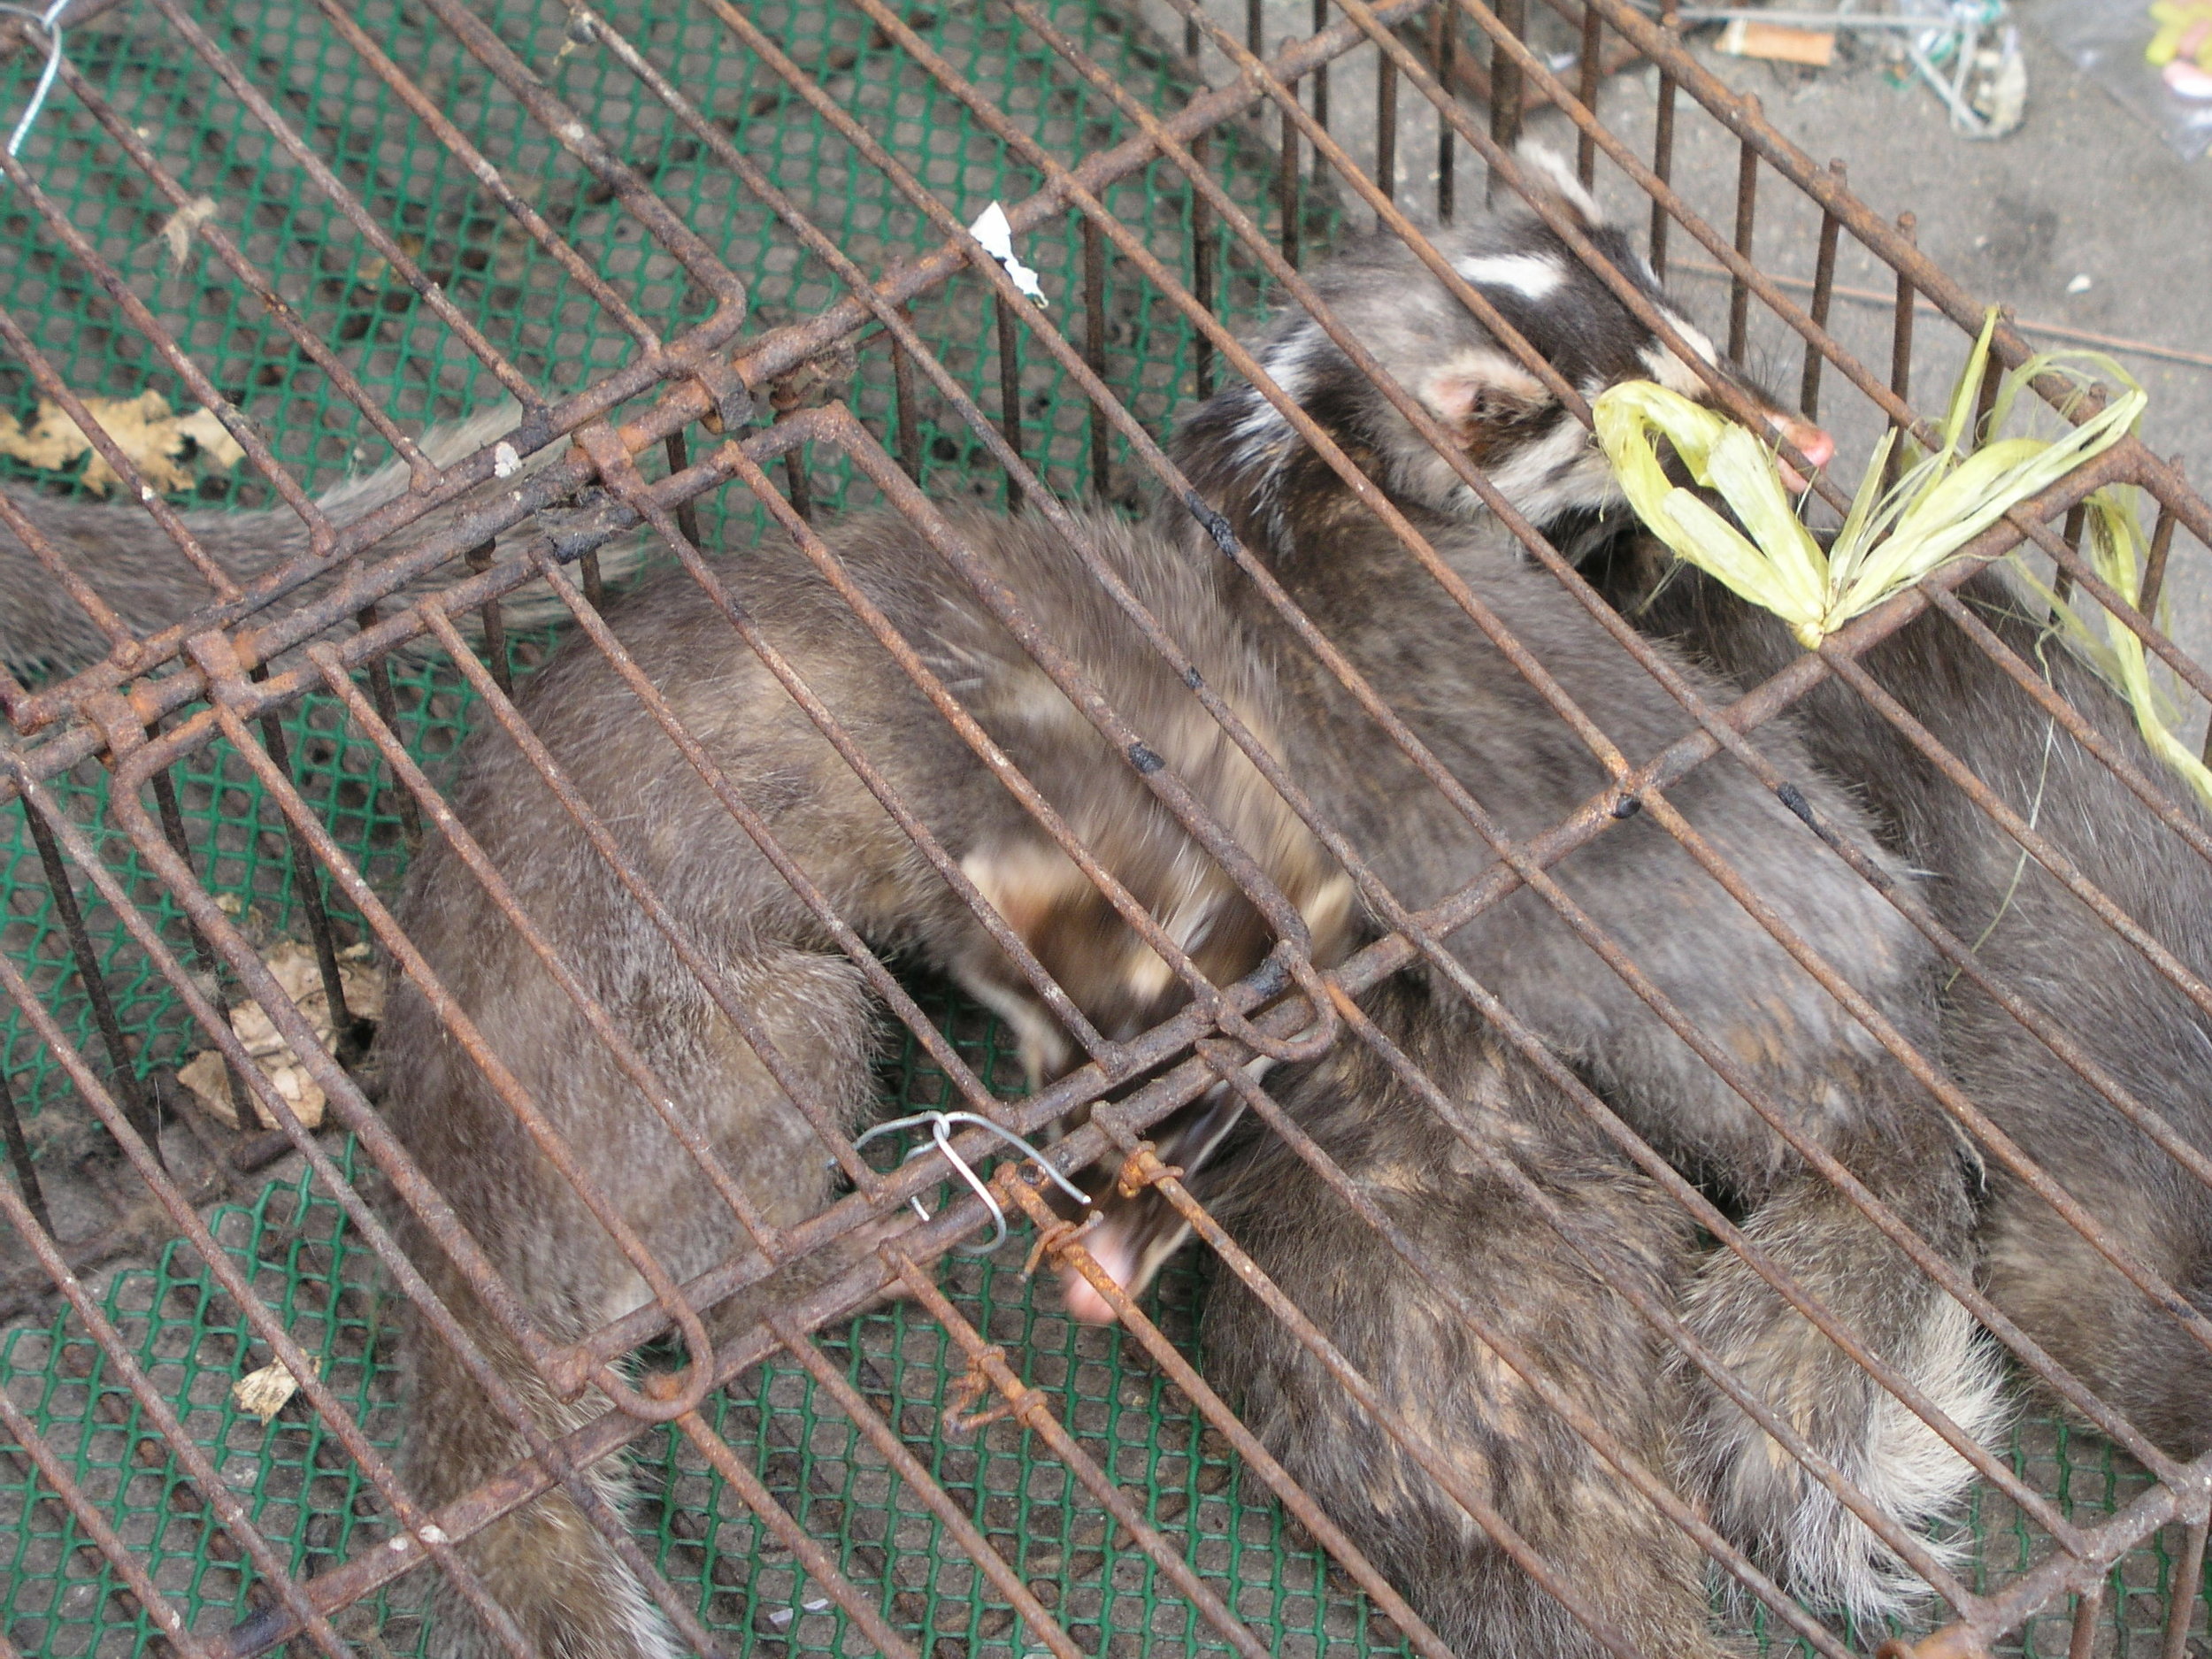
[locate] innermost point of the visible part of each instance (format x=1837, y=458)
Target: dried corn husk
x=2117, y=552
x=292, y=965
x=1891, y=537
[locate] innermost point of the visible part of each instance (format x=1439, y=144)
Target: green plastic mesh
x=296, y=1248
x=528, y=307
x=60, y=1598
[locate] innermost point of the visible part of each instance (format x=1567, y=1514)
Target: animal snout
x=1813, y=443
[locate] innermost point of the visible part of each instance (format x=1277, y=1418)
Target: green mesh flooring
x=59, y=1598
x=528, y=307
x=295, y=1247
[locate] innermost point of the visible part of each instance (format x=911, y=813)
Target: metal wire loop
x=941, y=1136
x=49, y=24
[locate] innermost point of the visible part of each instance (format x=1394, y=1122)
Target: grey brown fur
x=126, y=557
x=560, y=1580
x=1446, y=1188
x=545, y=1564
x=1719, y=967
x=2047, y=944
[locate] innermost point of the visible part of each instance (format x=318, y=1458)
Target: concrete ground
x=2085, y=188
x=2083, y=217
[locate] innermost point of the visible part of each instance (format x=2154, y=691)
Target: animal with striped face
x=1506, y=414
x=1783, y=1038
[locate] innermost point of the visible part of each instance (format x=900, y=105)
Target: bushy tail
x=547, y=1566
x=1488, y=1429
x=130, y=561
x=531, y=607
x=1759, y=1495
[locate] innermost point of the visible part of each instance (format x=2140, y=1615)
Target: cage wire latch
x=941, y=1125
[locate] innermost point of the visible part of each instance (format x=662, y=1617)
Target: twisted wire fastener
x=941, y=1136
x=49, y=22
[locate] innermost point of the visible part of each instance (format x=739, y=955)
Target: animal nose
x=1084, y=1305
x=1809, y=440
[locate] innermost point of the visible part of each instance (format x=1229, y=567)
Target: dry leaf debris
x=264, y=1391
x=144, y=427
x=292, y=965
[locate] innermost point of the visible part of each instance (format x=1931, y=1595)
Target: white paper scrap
x=997, y=237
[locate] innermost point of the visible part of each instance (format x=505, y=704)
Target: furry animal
x=570, y=1593
x=131, y=563
x=1475, y=1193
x=1528, y=769
x=546, y=1564
x=2047, y=944
x=550, y=1568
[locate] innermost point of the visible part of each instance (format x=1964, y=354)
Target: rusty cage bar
x=719, y=257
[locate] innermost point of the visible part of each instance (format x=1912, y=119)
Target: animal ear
x=1483, y=396
x=1548, y=175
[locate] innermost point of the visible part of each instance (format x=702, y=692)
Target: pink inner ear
x=1452, y=396
x=1466, y=396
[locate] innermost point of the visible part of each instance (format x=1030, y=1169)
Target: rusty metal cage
x=719, y=257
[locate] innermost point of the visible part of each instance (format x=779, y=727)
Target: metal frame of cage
x=157, y=699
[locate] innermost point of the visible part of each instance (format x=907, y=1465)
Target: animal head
x=1122, y=985
x=1533, y=448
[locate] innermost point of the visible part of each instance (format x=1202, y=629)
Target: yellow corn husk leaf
x=1950, y=511
x=1969, y=386
x=1719, y=546
x=2116, y=549
x=1853, y=532
x=1782, y=569
x=1742, y=469
x=1891, y=537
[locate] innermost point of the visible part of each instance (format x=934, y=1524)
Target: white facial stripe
x=1523, y=477
x=1534, y=276
x=1552, y=169
x=1290, y=366
x=1671, y=372
x=1291, y=363
x=1694, y=337
x=1563, y=470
